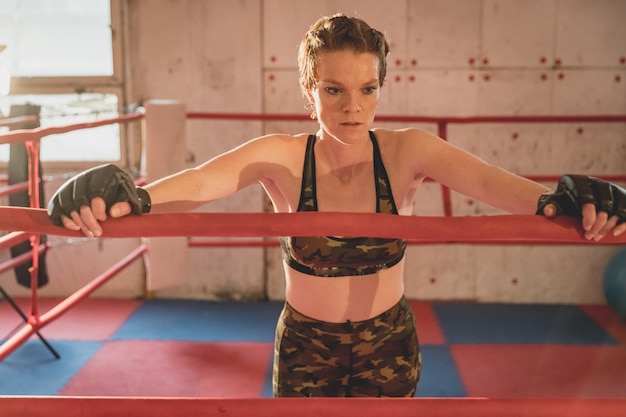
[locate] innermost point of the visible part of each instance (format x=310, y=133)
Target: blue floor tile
x=268, y=389
x=202, y=321
x=519, y=323
x=440, y=377
x=32, y=370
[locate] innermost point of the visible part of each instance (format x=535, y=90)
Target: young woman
x=346, y=328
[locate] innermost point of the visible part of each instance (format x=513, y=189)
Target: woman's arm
x=470, y=175
x=467, y=174
x=186, y=190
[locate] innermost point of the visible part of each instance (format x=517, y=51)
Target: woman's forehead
x=341, y=65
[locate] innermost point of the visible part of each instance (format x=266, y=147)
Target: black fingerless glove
x=573, y=191
x=106, y=181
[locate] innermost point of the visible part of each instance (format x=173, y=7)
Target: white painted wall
x=449, y=58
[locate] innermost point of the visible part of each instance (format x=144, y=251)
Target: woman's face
x=346, y=95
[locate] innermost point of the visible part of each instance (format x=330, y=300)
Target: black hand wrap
x=573, y=191
x=106, y=181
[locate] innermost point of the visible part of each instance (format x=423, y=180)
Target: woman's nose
x=351, y=104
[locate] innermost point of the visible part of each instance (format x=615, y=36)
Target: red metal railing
x=31, y=138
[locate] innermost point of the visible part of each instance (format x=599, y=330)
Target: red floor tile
x=541, y=371
x=90, y=319
x=608, y=319
x=174, y=369
x=428, y=328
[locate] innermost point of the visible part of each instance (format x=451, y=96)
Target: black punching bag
x=18, y=172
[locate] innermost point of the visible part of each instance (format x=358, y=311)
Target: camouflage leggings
x=379, y=357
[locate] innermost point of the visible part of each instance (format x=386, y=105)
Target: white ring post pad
x=165, y=153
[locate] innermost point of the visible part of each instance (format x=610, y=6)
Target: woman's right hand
x=89, y=197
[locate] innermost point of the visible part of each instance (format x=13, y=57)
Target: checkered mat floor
x=182, y=348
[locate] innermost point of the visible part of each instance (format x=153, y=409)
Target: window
x=64, y=58
x=96, y=144
x=57, y=38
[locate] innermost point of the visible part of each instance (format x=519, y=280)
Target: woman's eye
x=333, y=90
x=370, y=90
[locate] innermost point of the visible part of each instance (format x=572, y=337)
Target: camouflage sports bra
x=330, y=256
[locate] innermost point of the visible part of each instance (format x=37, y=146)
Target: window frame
x=113, y=84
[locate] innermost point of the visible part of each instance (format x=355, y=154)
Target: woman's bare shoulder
x=278, y=140
x=402, y=140
x=271, y=145
x=272, y=153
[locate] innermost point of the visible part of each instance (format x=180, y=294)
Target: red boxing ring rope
x=17, y=121
x=511, y=229
x=419, y=119
x=308, y=407
x=23, y=135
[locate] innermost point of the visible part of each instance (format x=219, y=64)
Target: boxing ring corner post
x=34, y=321
x=308, y=407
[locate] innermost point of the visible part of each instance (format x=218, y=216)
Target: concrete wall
x=449, y=58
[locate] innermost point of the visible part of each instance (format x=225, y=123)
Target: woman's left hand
x=600, y=204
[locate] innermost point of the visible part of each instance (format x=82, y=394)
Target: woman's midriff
x=339, y=299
